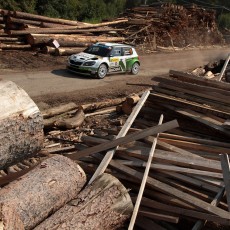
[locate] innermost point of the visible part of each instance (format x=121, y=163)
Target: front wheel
x=135, y=68
x=102, y=71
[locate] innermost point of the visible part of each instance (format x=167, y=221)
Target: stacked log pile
x=26, y=31
x=155, y=26
x=172, y=25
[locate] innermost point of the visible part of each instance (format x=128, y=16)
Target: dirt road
x=57, y=85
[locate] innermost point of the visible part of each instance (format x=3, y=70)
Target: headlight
x=89, y=63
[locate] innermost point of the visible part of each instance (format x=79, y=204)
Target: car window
x=127, y=51
x=99, y=50
x=116, y=51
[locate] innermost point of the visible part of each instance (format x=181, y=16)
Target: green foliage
x=224, y=20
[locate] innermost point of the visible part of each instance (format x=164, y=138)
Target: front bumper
x=82, y=70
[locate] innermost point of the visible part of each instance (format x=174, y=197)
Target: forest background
x=98, y=10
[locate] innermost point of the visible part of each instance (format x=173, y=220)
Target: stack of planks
x=26, y=31
x=169, y=25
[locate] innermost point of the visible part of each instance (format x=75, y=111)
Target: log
x=23, y=21
x=43, y=190
x=14, y=47
x=21, y=125
x=102, y=104
x=126, y=108
x=132, y=99
x=23, y=15
x=36, y=39
x=105, y=204
x=67, y=51
x=73, y=122
x=48, y=50
x=51, y=112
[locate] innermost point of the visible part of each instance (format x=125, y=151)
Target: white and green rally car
x=102, y=58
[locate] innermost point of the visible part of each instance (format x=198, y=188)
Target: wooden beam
x=109, y=155
x=124, y=140
x=226, y=174
x=143, y=182
x=153, y=183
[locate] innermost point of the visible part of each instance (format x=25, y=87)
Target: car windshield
x=99, y=50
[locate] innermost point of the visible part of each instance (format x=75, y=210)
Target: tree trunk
x=43, y=190
x=36, y=39
x=103, y=205
x=132, y=99
x=21, y=125
x=14, y=47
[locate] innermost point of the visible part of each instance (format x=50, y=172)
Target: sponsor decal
x=114, y=59
x=115, y=69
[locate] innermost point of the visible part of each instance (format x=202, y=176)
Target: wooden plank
x=153, y=183
x=109, y=155
x=226, y=173
x=173, y=158
x=183, y=212
x=159, y=216
x=148, y=224
x=198, y=80
x=171, y=168
x=196, y=146
x=225, y=113
x=200, y=224
x=143, y=182
x=124, y=140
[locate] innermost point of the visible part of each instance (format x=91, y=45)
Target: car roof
x=109, y=44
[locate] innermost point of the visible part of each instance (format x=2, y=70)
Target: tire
x=135, y=68
x=102, y=71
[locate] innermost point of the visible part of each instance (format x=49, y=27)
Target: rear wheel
x=135, y=68
x=102, y=71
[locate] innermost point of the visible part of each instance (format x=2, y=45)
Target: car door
x=127, y=53
x=115, y=60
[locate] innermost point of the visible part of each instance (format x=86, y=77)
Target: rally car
x=102, y=58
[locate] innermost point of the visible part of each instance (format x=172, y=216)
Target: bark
x=21, y=125
x=38, y=39
x=126, y=108
x=73, y=122
x=44, y=190
x=103, y=205
x=9, y=219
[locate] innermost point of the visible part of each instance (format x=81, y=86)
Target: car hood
x=84, y=57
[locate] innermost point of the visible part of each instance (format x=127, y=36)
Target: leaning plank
x=124, y=140
x=143, y=182
x=200, y=224
x=109, y=155
x=21, y=125
x=226, y=174
x=43, y=190
x=153, y=183
x=105, y=204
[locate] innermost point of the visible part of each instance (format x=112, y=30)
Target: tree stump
x=103, y=205
x=44, y=190
x=21, y=125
